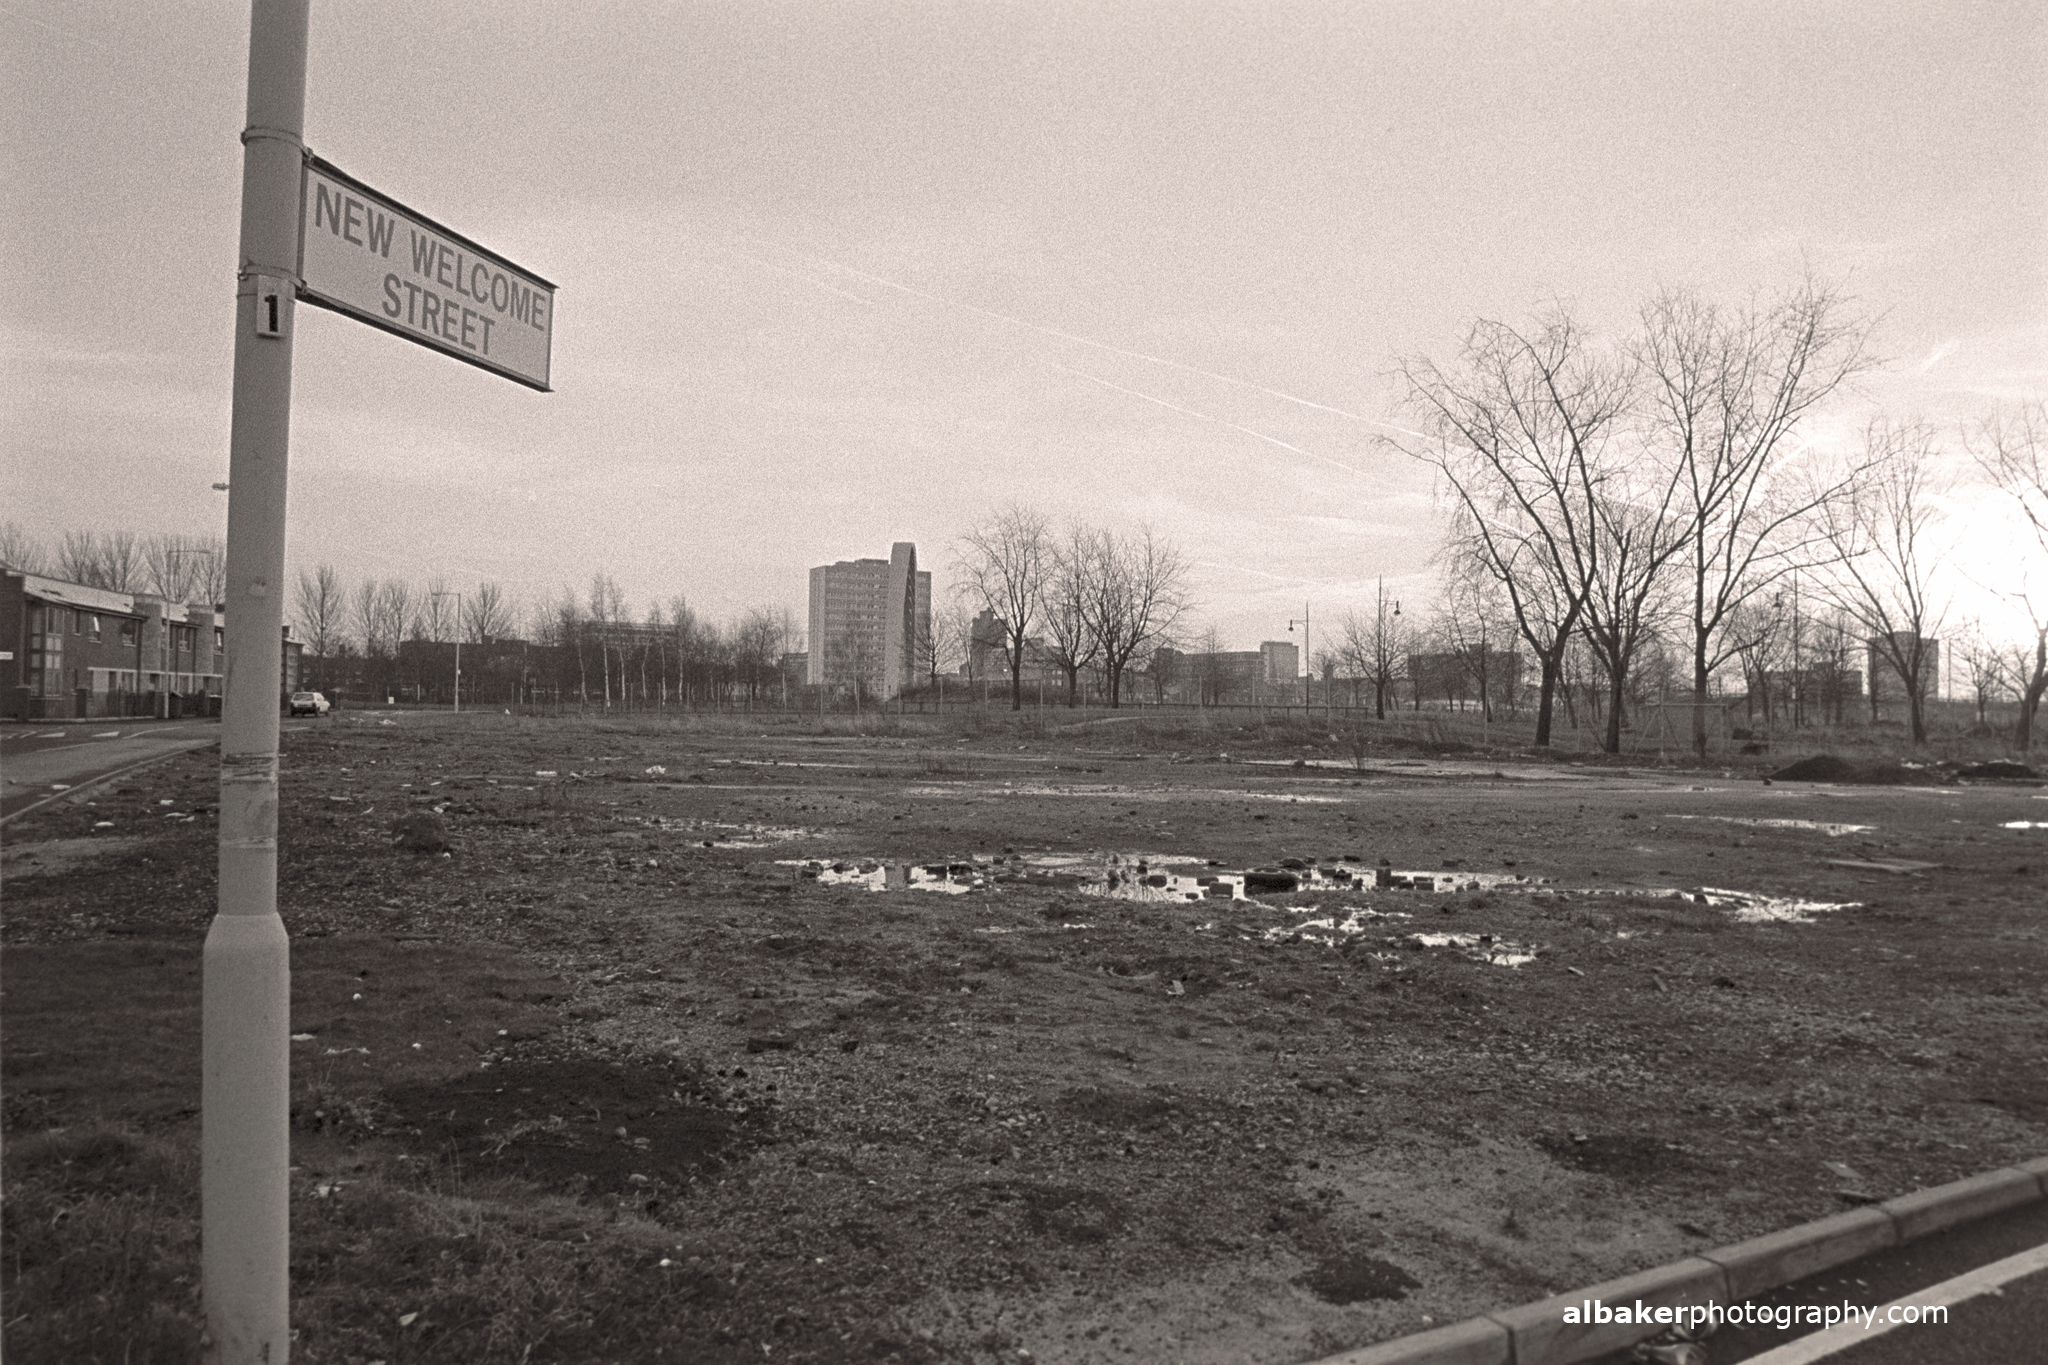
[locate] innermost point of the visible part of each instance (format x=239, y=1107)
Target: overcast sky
x=836, y=274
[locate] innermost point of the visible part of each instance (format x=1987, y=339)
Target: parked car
x=310, y=704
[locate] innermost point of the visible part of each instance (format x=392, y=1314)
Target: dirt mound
x=1977, y=772
x=1819, y=768
x=1829, y=768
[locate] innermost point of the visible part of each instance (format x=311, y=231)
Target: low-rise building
x=68, y=650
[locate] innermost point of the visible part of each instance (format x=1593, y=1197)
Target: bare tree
x=1725, y=392
x=1985, y=664
x=437, y=610
x=607, y=613
x=396, y=617
x=1135, y=591
x=184, y=568
x=937, y=649
x=757, y=639
x=1377, y=646
x=1758, y=634
x=1002, y=563
x=21, y=551
x=1478, y=632
x=1637, y=538
x=121, y=562
x=1070, y=644
x=2012, y=450
x=364, y=617
x=322, y=613
x=1518, y=434
x=1886, y=536
x=78, y=557
x=486, y=614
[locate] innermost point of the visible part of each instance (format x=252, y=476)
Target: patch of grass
x=102, y=1246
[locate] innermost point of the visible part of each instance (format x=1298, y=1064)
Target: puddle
x=727, y=834
x=1753, y=908
x=1130, y=794
x=1479, y=947
x=1331, y=932
x=1832, y=830
x=2025, y=824
x=1147, y=877
x=949, y=878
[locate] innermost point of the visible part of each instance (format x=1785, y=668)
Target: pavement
x=41, y=762
x=1978, y=1245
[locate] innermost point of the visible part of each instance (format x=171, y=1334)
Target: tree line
x=1084, y=598
x=1662, y=492
x=172, y=567
x=383, y=636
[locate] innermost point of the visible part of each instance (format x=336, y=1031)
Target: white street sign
x=368, y=256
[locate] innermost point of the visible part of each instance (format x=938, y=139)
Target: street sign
x=368, y=256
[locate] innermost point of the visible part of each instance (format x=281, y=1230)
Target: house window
x=128, y=633
x=92, y=628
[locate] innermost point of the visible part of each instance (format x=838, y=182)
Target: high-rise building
x=871, y=621
x=1282, y=660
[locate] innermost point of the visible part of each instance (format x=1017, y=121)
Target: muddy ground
x=1065, y=1082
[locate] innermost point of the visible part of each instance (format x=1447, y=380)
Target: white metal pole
x=244, y=1099
x=458, y=644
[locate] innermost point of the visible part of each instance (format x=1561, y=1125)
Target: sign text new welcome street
x=366, y=255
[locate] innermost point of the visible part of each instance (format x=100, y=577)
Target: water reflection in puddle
x=1823, y=826
x=1168, y=878
x=1145, y=877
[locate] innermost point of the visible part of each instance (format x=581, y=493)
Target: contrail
x=796, y=275
x=1203, y=416
x=1103, y=346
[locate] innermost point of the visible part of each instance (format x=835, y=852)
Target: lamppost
x=1382, y=665
x=458, y=645
x=1308, y=673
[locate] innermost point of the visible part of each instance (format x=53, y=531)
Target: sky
x=836, y=274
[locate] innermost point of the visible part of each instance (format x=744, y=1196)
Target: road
x=1993, y=1315
x=39, y=763
x=1998, y=1312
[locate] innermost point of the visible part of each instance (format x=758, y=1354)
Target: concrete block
x=1944, y=1206
x=2037, y=1168
x=1543, y=1337
x=1475, y=1341
x=1763, y=1263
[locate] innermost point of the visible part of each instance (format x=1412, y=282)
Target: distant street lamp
x=458, y=645
x=1382, y=666
x=1308, y=672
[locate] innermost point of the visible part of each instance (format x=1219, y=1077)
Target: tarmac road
x=1988, y=1320
x=41, y=762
